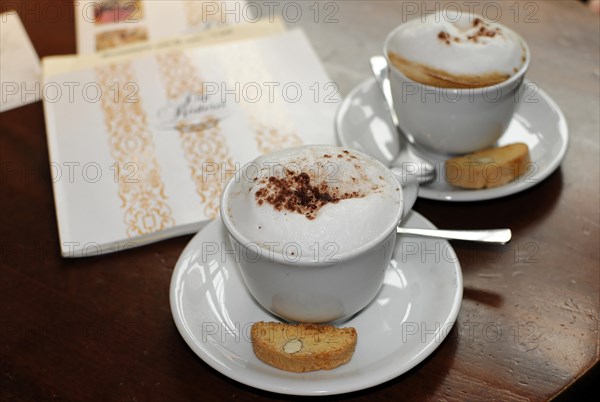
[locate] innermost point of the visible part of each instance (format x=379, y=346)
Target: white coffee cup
x=306, y=288
x=454, y=120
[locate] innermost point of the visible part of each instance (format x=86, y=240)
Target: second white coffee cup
x=453, y=120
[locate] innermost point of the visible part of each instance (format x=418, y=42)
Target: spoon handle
x=379, y=67
x=500, y=236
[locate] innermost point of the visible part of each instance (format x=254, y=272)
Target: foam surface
x=357, y=199
x=459, y=43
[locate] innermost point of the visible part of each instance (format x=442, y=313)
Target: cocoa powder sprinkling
x=444, y=36
x=299, y=193
x=484, y=31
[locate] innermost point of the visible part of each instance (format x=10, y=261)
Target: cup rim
x=307, y=261
x=515, y=77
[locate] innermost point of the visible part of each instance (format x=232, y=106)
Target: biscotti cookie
x=302, y=347
x=488, y=168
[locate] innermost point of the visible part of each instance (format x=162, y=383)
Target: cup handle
x=410, y=189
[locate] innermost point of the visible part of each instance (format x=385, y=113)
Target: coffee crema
x=456, y=50
x=318, y=199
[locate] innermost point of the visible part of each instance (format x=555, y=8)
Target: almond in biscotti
x=488, y=168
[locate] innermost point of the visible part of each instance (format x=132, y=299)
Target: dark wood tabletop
x=100, y=328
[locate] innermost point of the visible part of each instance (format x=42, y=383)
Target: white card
x=20, y=71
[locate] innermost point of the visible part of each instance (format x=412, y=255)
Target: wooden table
x=101, y=328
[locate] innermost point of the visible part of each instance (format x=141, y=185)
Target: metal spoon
x=423, y=170
x=500, y=236
x=411, y=170
x=410, y=190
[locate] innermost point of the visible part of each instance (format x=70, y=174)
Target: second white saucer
x=363, y=123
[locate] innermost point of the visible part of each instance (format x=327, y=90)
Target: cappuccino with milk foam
x=456, y=50
x=316, y=202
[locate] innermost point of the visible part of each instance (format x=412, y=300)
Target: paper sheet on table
x=108, y=24
x=20, y=71
x=54, y=65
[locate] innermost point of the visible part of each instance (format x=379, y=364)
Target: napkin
x=20, y=71
x=143, y=144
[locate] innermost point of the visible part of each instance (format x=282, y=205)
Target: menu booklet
x=142, y=144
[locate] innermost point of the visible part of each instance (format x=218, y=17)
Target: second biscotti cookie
x=488, y=168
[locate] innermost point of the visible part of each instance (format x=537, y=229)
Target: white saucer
x=363, y=123
x=410, y=317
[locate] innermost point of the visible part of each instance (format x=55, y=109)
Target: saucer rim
x=464, y=195
x=326, y=387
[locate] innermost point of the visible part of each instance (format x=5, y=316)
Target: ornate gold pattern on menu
x=143, y=193
x=271, y=124
x=204, y=147
x=270, y=139
x=199, y=12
